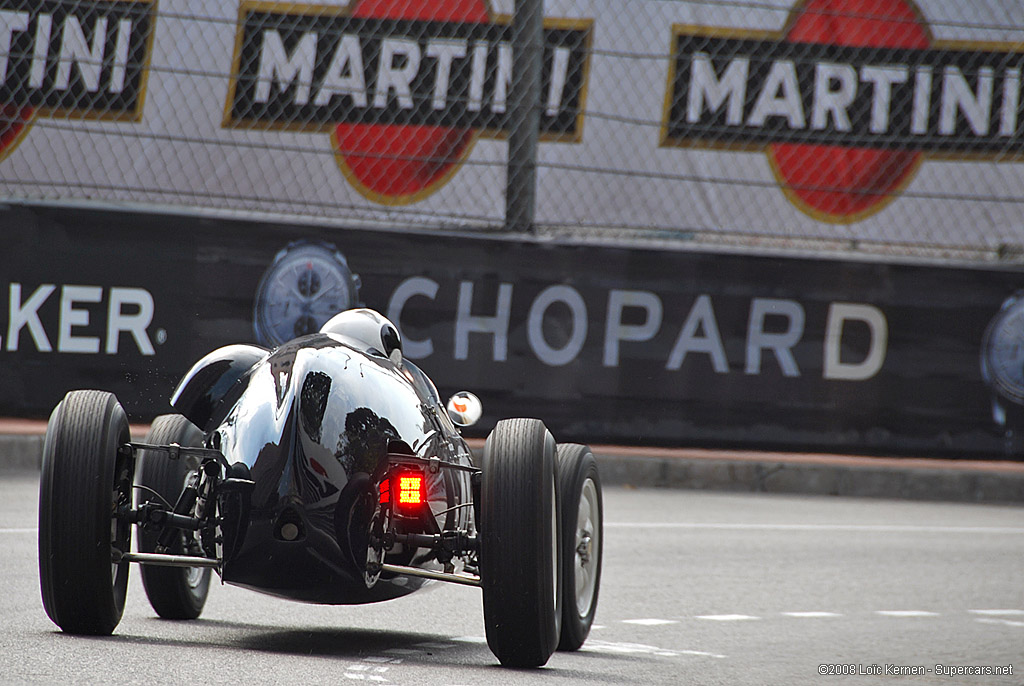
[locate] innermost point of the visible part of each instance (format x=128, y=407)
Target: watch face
x=1003, y=361
x=305, y=286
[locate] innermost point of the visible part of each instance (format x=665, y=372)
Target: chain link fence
x=881, y=126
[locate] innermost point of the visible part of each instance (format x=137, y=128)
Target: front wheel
x=174, y=592
x=519, y=559
x=84, y=487
x=582, y=513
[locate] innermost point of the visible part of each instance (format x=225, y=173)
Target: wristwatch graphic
x=306, y=284
x=1002, y=363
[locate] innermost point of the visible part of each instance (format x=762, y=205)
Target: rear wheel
x=519, y=561
x=579, y=492
x=174, y=592
x=86, y=478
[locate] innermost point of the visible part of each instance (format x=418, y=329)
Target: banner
x=604, y=344
x=880, y=126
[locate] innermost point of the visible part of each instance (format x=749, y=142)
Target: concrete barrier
x=737, y=471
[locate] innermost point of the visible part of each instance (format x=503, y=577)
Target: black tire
x=582, y=515
x=519, y=561
x=85, y=478
x=174, y=592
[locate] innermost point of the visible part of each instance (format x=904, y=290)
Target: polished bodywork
x=317, y=422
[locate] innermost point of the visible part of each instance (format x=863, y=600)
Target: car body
x=315, y=422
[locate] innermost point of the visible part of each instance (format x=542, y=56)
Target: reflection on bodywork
x=316, y=388
x=363, y=446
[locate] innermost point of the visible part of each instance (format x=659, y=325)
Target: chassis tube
x=167, y=560
x=427, y=574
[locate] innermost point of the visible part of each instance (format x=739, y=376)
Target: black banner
x=81, y=59
x=746, y=92
x=604, y=344
x=310, y=71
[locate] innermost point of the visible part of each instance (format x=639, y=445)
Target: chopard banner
x=604, y=344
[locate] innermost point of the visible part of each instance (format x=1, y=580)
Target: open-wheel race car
x=326, y=470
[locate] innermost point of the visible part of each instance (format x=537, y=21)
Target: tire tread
x=517, y=455
x=575, y=464
x=74, y=518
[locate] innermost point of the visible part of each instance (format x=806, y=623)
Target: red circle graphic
x=840, y=183
x=14, y=122
x=395, y=164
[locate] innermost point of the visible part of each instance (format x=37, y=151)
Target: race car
x=326, y=470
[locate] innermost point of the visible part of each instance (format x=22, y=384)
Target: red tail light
x=411, y=490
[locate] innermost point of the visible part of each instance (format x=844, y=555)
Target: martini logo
x=75, y=60
x=404, y=87
x=846, y=101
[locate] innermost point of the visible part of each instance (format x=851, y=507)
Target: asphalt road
x=699, y=588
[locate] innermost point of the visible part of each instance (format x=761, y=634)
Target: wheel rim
x=120, y=530
x=194, y=577
x=587, y=549
x=554, y=549
x=115, y=538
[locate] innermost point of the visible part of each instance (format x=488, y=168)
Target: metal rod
x=400, y=459
x=465, y=580
x=168, y=560
x=527, y=36
x=175, y=451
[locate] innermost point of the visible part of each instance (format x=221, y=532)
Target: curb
x=955, y=483
x=20, y=453
x=732, y=471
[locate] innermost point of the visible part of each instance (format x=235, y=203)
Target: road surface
x=699, y=588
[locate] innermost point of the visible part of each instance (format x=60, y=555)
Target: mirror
x=465, y=408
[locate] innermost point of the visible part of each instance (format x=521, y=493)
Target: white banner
x=820, y=122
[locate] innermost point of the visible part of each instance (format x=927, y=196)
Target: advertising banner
x=603, y=343
x=801, y=123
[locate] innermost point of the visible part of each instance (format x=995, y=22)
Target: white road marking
x=18, y=531
x=357, y=676
x=987, y=616
x=878, y=528
x=1004, y=622
x=809, y=615
x=371, y=671
x=432, y=645
x=594, y=646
